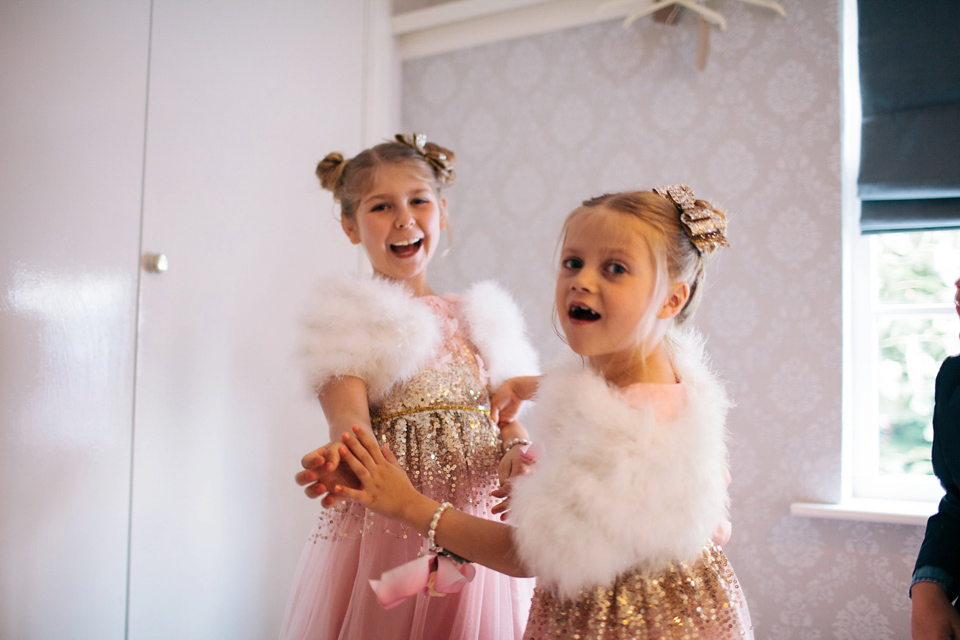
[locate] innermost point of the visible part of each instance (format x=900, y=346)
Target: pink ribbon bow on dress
x=435, y=575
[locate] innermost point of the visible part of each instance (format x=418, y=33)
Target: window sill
x=862, y=510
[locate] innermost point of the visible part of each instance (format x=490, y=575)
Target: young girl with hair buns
x=413, y=370
x=621, y=516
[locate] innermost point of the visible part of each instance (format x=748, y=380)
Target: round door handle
x=155, y=262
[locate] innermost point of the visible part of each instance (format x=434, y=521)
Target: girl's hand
x=722, y=534
x=506, y=401
x=513, y=464
x=502, y=507
x=384, y=486
x=322, y=469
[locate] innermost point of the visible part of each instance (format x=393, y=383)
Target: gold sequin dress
x=437, y=424
x=700, y=601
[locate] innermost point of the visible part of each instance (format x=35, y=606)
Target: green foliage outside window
x=917, y=328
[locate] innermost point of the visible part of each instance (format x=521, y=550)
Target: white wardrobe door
x=73, y=83
x=245, y=98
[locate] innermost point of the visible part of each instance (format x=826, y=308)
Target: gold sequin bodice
x=438, y=425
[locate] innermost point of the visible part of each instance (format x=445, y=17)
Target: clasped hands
x=321, y=476
x=324, y=468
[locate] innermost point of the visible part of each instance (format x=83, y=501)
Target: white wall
x=151, y=424
x=73, y=81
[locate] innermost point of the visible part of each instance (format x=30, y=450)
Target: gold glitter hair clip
x=704, y=225
x=432, y=153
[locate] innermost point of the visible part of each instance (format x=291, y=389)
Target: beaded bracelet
x=432, y=531
x=512, y=443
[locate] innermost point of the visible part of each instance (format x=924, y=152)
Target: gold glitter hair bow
x=703, y=224
x=432, y=153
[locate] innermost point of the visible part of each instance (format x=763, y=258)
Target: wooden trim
x=470, y=23
x=452, y=12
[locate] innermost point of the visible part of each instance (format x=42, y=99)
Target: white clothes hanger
x=707, y=17
x=653, y=6
x=697, y=6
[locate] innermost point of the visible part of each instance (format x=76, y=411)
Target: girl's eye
x=379, y=207
x=616, y=268
x=572, y=263
x=420, y=201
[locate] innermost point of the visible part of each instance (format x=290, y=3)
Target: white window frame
x=861, y=478
x=863, y=454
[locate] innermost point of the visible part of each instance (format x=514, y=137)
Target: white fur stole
x=496, y=327
x=376, y=330
x=614, y=489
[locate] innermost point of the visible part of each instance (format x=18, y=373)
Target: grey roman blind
x=910, y=135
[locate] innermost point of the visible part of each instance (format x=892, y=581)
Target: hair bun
x=434, y=148
x=440, y=158
x=330, y=170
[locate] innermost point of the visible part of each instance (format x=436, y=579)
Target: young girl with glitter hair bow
x=621, y=518
x=415, y=370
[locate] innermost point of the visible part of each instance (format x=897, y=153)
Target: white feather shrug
x=376, y=330
x=614, y=489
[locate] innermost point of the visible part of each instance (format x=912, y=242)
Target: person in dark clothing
x=936, y=576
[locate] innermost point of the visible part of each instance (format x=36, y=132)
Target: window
x=901, y=239
x=904, y=325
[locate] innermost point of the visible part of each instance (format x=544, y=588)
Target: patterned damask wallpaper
x=540, y=123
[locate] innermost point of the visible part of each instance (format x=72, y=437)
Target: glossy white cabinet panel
x=245, y=98
x=73, y=90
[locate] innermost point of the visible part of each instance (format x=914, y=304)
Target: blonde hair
x=675, y=257
x=350, y=179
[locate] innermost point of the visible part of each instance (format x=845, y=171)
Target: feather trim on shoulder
x=497, y=328
x=614, y=489
x=369, y=328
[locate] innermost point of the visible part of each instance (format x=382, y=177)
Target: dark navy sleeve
x=940, y=552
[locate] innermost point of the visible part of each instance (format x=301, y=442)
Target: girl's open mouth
x=582, y=312
x=406, y=249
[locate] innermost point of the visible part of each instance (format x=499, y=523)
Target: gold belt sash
x=440, y=407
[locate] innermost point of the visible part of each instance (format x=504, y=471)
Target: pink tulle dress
x=438, y=426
